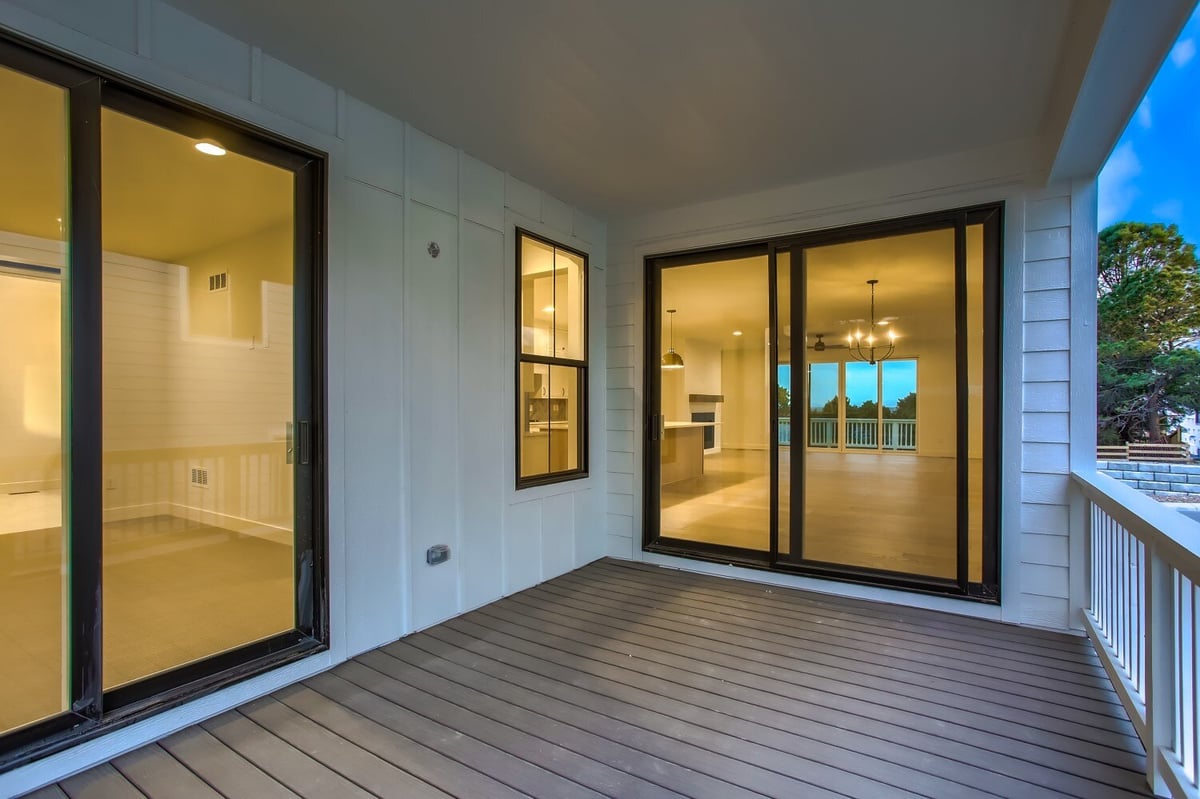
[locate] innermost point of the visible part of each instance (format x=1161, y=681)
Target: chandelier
x=865, y=348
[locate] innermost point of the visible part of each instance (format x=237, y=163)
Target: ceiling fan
x=820, y=346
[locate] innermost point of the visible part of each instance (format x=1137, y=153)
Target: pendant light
x=671, y=359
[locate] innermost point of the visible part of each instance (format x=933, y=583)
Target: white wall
x=1036, y=578
x=420, y=352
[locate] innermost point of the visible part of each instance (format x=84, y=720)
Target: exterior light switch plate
x=438, y=553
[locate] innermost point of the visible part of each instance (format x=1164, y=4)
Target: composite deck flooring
x=626, y=680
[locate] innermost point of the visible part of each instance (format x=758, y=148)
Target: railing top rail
x=1173, y=535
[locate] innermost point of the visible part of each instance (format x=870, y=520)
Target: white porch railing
x=822, y=432
x=785, y=431
x=1142, y=619
x=899, y=433
x=862, y=434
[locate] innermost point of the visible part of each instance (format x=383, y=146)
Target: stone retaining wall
x=1179, y=480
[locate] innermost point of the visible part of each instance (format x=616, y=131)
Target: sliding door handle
x=305, y=442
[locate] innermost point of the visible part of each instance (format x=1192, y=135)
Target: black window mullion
x=84, y=511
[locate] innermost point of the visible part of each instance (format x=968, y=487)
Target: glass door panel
x=33, y=549
x=715, y=446
x=199, y=440
x=871, y=499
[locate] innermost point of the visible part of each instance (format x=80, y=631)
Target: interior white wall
x=1038, y=257
x=419, y=350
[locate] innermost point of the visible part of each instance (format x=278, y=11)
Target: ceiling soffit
x=622, y=106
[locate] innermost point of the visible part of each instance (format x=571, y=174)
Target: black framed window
x=552, y=346
x=162, y=478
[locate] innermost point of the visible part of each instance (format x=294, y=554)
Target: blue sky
x=1153, y=175
x=899, y=380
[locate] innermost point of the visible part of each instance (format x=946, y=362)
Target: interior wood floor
x=892, y=511
x=174, y=591
x=624, y=680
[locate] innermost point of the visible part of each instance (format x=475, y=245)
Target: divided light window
x=551, y=361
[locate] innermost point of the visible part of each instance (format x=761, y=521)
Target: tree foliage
x=1148, y=372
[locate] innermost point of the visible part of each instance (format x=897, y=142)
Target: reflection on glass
x=874, y=499
x=33, y=161
x=715, y=474
x=198, y=400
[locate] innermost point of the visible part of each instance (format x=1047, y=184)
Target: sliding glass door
x=877, y=391
x=33, y=546
x=160, y=509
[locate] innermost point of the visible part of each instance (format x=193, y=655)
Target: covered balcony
x=620, y=679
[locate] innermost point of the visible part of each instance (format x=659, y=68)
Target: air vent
x=200, y=477
x=218, y=282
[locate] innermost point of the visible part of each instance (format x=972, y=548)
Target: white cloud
x=1143, y=117
x=1168, y=210
x=1117, y=190
x=1183, y=52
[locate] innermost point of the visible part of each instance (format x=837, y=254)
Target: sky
x=1153, y=174
x=899, y=380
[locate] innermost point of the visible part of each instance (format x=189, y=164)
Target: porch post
x=1159, y=608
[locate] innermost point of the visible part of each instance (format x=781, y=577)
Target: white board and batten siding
x=420, y=350
x=1037, y=550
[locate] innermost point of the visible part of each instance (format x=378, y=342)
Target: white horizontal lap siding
x=1045, y=418
x=420, y=349
x=623, y=419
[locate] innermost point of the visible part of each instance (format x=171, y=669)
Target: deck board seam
x=541, y=679
x=869, y=684
x=819, y=764
x=693, y=597
x=340, y=737
x=447, y=755
x=789, y=729
x=692, y=723
x=474, y=738
x=827, y=598
x=836, y=710
x=384, y=651
x=918, y=666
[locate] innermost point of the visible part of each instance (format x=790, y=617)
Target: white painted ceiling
x=622, y=106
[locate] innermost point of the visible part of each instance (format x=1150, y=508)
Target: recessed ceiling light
x=210, y=147
x=737, y=332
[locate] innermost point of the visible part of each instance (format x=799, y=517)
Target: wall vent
x=200, y=477
x=218, y=282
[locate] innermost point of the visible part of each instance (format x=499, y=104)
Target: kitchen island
x=682, y=451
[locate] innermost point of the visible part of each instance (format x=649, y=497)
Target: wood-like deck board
x=155, y=772
x=227, y=771
x=626, y=680
x=722, y=702
x=882, y=685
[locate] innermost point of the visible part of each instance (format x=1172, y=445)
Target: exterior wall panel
x=418, y=348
